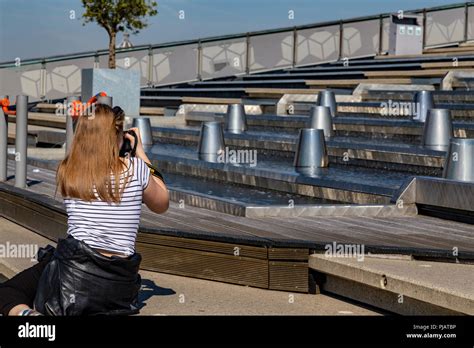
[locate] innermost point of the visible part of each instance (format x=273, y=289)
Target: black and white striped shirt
x=111, y=226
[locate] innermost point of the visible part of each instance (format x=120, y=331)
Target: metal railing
x=230, y=55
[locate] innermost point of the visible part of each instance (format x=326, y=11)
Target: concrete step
x=39, y=135
x=400, y=285
x=386, y=154
x=43, y=119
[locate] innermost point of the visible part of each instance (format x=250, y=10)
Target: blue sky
x=41, y=28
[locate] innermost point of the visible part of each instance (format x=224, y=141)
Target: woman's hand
x=140, y=153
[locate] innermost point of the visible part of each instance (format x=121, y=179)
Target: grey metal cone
x=311, y=153
x=70, y=124
x=235, y=119
x=327, y=98
x=321, y=119
x=438, y=130
x=107, y=100
x=211, y=141
x=424, y=102
x=459, y=163
x=144, y=126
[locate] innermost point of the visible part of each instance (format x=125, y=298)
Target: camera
x=126, y=148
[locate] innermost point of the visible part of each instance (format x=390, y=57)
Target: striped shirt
x=111, y=226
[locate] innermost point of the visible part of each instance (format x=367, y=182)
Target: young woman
x=95, y=269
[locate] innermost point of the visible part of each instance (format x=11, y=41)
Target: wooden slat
x=449, y=50
x=278, y=92
x=355, y=82
x=205, y=245
x=410, y=73
x=205, y=265
x=448, y=65
x=288, y=276
x=206, y=100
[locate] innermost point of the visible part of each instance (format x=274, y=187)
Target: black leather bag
x=80, y=281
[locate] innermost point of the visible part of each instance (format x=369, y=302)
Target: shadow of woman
x=149, y=289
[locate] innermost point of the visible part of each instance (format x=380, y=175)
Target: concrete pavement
x=164, y=294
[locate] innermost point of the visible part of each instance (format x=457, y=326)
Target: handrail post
x=424, y=28
x=70, y=123
x=199, y=61
x=380, y=35
x=247, y=54
x=3, y=144
x=43, y=80
x=21, y=140
x=341, y=39
x=295, y=47
x=466, y=21
x=150, y=67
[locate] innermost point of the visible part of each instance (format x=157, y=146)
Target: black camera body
x=127, y=146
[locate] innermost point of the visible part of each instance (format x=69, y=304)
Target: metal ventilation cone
x=107, y=100
x=459, y=163
x=438, y=130
x=321, y=119
x=211, y=141
x=311, y=153
x=328, y=98
x=144, y=126
x=424, y=102
x=235, y=119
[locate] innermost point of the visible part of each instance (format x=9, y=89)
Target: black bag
x=80, y=281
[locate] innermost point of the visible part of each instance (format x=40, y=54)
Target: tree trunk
x=112, y=38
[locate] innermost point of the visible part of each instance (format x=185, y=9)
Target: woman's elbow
x=163, y=204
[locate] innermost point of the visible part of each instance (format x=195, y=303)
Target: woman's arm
x=155, y=195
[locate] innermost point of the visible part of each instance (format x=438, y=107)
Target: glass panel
x=174, y=64
x=63, y=78
x=361, y=39
x=443, y=27
x=223, y=58
x=21, y=80
x=317, y=45
x=271, y=51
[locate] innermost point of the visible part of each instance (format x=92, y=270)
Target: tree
x=118, y=15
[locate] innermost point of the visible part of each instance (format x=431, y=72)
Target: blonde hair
x=94, y=159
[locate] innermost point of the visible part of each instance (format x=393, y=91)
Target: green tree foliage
x=118, y=15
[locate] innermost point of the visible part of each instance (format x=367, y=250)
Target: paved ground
x=164, y=294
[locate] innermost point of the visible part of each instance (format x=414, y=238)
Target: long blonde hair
x=94, y=159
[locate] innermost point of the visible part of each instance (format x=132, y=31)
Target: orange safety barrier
x=77, y=108
x=5, y=103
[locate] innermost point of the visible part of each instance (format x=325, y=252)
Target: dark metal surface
x=424, y=102
x=460, y=160
x=438, y=130
x=311, y=153
x=211, y=141
x=328, y=98
x=235, y=119
x=321, y=118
